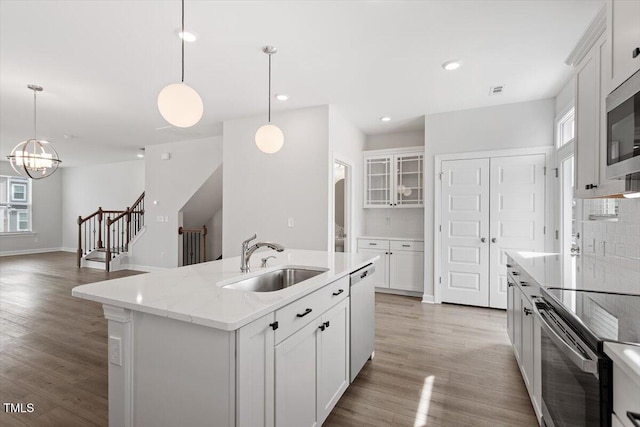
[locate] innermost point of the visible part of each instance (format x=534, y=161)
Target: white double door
x=488, y=206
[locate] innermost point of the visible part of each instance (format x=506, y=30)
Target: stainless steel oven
x=623, y=129
x=575, y=379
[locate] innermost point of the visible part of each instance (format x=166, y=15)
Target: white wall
x=113, y=186
x=215, y=238
x=383, y=222
x=566, y=96
x=347, y=142
x=261, y=191
x=395, y=140
x=526, y=124
x=47, y=216
x=171, y=183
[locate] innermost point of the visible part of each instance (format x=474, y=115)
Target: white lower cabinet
x=293, y=365
x=305, y=397
x=524, y=332
x=400, y=266
x=296, y=384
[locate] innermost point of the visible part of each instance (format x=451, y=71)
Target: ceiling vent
x=496, y=90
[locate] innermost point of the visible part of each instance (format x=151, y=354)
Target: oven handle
x=586, y=365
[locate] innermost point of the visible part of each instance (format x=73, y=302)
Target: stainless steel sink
x=277, y=279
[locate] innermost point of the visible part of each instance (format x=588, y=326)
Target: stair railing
x=194, y=245
x=115, y=228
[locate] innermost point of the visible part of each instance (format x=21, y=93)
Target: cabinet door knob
x=322, y=327
x=635, y=52
x=590, y=186
x=494, y=240
x=483, y=239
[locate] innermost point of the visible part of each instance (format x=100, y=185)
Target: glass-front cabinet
x=393, y=179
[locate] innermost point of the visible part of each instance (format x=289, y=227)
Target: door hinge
x=440, y=279
x=440, y=228
x=556, y=171
x=557, y=235
x=544, y=230
x=544, y=169
x=440, y=175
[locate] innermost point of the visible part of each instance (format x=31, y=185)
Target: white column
x=120, y=366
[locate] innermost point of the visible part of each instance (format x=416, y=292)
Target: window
x=15, y=204
x=18, y=192
x=566, y=128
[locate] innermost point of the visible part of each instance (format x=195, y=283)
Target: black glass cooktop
x=598, y=316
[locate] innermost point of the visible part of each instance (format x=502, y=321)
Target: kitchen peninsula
x=186, y=348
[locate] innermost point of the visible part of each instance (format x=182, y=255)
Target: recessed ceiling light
x=451, y=65
x=385, y=119
x=281, y=97
x=187, y=36
x=140, y=154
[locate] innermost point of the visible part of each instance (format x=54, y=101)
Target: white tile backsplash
x=394, y=222
x=611, y=250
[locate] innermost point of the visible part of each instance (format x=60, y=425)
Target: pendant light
x=179, y=103
x=269, y=137
x=34, y=158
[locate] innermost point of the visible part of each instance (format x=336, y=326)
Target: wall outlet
x=290, y=222
x=115, y=351
x=160, y=218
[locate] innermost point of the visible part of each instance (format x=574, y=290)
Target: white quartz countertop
x=405, y=239
x=627, y=357
x=195, y=293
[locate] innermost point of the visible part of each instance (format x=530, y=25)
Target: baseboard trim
x=29, y=251
x=74, y=250
x=399, y=292
x=428, y=299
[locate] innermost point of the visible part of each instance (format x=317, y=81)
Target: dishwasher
x=362, y=318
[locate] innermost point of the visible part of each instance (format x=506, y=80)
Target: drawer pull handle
x=307, y=311
x=509, y=284
x=634, y=417
x=335, y=294
x=515, y=273
x=363, y=275
x=524, y=283
x=327, y=324
x=406, y=246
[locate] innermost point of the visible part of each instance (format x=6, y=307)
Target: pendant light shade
x=178, y=103
x=269, y=137
x=34, y=158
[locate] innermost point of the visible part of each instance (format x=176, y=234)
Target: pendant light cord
x=35, y=133
x=182, y=38
x=269, y=88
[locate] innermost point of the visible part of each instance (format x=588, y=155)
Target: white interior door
x=465, y=232
x=517, y=215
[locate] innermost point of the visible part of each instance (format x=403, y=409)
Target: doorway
x=341, y=199
x=568, y=224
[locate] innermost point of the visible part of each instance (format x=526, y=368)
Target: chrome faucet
x=247, y=251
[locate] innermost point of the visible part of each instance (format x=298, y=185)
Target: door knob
x=494, y=240
x=482, y=239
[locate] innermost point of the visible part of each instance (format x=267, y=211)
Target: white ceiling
x=102, y=63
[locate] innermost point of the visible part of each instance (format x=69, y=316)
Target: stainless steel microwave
x=623, y=129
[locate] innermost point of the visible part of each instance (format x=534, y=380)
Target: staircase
x=105, y=235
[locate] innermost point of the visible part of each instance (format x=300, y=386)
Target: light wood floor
x=435, y=365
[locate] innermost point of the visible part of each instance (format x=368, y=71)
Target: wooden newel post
x=126, y=245
x=204, y=243
x=79, y=253
x=100, y=227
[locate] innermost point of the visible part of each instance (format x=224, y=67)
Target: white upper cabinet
x=623, y=29
x=393, y=179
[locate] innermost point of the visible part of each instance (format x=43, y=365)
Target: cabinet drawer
x=373, y=244
x=402, y=245
x=301, y=312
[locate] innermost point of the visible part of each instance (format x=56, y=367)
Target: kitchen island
x=187, y=349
